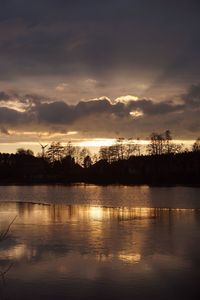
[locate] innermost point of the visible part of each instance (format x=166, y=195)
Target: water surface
x=111, y=195
x=89, y=242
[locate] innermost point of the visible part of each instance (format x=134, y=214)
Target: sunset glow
x=136, y=113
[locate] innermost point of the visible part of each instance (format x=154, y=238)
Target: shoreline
x=168, y=185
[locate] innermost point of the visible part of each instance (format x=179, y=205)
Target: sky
x=97, y=70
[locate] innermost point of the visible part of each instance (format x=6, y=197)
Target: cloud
x=100, y=106
x=102, y=116
x=149, y=107
x=91, y=40
x=126, y=99
x=91, y=82
x=136, y=113
x=59, y=112
x=54, y=113
x=53, y=53
x=4, y=96
x=61, y=87
x=10, y=116
x=192, y=97
x=4, y=130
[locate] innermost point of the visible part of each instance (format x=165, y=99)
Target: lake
x=100, y=242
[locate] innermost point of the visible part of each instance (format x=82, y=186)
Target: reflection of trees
x=95, y=228
x=70, y=237
x=89, y=227
x=30, y=212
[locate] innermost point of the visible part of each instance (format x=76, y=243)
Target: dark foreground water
x=89, y=242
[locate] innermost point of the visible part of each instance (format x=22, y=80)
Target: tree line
x=159, y=144
x=126, y=161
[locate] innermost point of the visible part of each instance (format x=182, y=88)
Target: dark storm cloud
x=192, y=98
x=70, y=37
x=151, y=108
x=4, y=96
x=62, y=113
x=59, y=112
x=83, y=49
x=56, y=112
x=102, y=115
x=10, y=116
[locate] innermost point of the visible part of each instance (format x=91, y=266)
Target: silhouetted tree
x=70, y=149
x=82, y=155
x=177, y=148
x=122, y=149
x=104, y=154
x=156, y=145
x=168, y=139
x=161, y=143
x=138, y=146
x=73, y=151
x=131, y=148
x=196, y=145
x=55, y=152
x=94, y=158
x=119, y=163
x=22, y=151
x=87, y=161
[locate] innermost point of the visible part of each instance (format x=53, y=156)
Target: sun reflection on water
x=96, y=230
x=96, y=212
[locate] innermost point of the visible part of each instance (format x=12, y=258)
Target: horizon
x=93, y=145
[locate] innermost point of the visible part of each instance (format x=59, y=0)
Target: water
x=90, y=242
x=110, y=196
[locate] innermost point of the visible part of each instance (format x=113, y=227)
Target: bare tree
x=161, y=143
x=87, y=161
x=104, y=153
x=94, y=158
x=156, y=145
x=168, y=139
x=55, y=152
x=177, y=148
x=82, y=155
x=22, y=151
x=70, y=149
x=196, y=145
x=120, y=148
x=131, y=148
